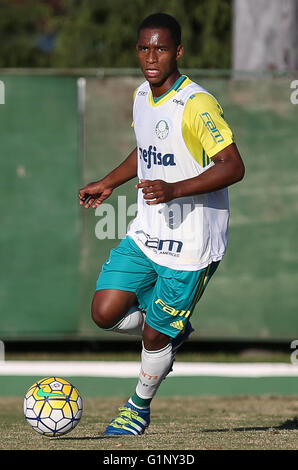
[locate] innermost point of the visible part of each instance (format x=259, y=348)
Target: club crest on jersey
x=162, y=129
x=153, y=157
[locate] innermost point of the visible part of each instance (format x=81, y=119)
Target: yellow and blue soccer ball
x=53, y=406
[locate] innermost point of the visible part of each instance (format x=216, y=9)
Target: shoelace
x=126, y=414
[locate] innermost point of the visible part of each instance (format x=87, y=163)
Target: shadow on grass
x=289, y=424
x=88, y=438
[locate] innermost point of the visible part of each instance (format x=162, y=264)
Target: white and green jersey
x=177, y=136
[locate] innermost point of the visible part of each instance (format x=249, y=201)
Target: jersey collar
x=180, y=83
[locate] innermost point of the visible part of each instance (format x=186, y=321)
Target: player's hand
x=156, y=191
x=93, y=194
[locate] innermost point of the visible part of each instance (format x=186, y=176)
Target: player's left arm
x=228, y=169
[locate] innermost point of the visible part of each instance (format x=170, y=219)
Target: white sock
x=132, y=323
x=154, y=367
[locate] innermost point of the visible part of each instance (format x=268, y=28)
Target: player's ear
x=180, y=51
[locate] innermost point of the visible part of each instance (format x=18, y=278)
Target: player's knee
x=101, y=315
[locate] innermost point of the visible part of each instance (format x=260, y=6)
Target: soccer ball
x=53, y=406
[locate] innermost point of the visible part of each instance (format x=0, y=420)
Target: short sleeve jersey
x=177, y=136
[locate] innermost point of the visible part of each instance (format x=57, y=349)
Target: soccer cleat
x=177, y=342
x=130, y=421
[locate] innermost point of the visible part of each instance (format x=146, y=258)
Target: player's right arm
x=93, y=194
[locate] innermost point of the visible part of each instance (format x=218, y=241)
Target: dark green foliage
x=93, y=33
x=21, y=27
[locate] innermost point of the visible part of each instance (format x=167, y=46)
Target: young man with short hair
x=185, y=159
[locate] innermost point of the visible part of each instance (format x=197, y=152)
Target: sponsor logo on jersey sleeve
x=211, y=126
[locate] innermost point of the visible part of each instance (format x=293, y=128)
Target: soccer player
x=185, y=158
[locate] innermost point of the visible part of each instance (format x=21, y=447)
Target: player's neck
x=159, y=90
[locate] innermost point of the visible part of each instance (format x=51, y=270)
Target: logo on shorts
x=173, y=311
x=162, y=129
x=177, y=324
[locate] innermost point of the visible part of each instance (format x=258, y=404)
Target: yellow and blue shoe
x=130, y=421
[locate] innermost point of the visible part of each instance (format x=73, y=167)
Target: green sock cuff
x=141, y=402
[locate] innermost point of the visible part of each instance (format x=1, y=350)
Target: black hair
x=165, y=21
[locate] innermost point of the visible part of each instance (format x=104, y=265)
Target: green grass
x=191, y=423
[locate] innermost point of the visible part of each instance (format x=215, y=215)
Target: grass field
x=206, y=422
x=191, y=423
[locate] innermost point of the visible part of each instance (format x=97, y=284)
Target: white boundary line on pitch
x=131, y=369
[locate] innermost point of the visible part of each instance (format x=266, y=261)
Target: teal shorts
x=167, y=295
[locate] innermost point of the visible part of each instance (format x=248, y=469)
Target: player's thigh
x=125, y=276
x=174, y=298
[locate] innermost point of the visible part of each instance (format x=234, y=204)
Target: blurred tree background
x=97, y=33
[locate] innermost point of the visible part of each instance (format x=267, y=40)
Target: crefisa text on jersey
x=150, y=459
x=153, y=157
